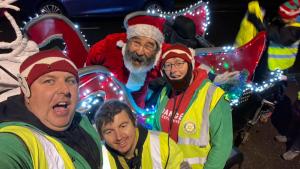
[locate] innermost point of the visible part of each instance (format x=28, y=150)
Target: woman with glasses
x=193, y=111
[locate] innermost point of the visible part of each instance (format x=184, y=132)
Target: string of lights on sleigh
x=145, y=116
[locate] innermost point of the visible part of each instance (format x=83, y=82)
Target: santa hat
x=142, y=24
x=289, y=9
x=180, y=51
x=41, y=63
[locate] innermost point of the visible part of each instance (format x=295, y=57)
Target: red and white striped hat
x=289, y=9
x=179, y=51
x=41, y=63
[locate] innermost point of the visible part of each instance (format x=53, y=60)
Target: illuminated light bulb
x=95, y=101
x=84, y=104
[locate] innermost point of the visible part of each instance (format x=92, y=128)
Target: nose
x=140, y=51
x=64, y=89
x=173, y=68
x=118, y=135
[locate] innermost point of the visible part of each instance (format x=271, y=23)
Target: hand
x=227, y=77
x=185, y=165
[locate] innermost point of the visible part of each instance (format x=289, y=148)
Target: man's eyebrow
x=126, y=122
x=105, y=130
x=151, y=43
x=135, y=38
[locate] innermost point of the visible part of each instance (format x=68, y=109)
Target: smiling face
x=53, y=99
x=175, y=68
x=120, y=134
x=140, y=54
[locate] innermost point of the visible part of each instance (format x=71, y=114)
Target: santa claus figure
x=132, y=56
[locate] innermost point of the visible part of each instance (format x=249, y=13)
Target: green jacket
x=220, y=129
x=15, y=155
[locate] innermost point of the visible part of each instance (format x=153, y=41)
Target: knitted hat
x=141, y=24
x=41, y=63
x=180, y=51
x=289, y=9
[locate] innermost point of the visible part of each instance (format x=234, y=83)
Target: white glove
x=227, y=77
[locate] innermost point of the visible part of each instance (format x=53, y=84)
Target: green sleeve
x=13, y=153
x=221, y=135
x=156, y=120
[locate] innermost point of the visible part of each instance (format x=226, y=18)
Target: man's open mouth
x=61, y=105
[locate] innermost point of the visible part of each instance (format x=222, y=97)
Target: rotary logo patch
x=190, y=127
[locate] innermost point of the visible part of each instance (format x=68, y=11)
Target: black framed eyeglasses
x=177, y=65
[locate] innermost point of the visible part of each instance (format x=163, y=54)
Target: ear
x=23, y=85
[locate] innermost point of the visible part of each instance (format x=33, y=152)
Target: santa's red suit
x=108, y=53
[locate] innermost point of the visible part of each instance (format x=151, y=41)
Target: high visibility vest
x=247, y=30
x=193, y=134
x=155, y=149
x=282, y=57
x=46, y=152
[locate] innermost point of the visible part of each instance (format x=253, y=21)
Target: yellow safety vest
x=155, y=152
x=282, y=57
x=247, y=30
x=193, y=134
x=46, y=152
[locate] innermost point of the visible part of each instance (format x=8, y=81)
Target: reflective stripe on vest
x=54, y=160
x=46, y=152
x=195, y=160
x=282, y=57
x=155, y=149
x=105, y=155
x=203, y=141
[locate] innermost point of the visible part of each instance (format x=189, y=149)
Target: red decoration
x=199, y=16
x=46, y=27
x=244, y=57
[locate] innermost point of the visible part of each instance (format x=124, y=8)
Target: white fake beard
x=136, y=70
